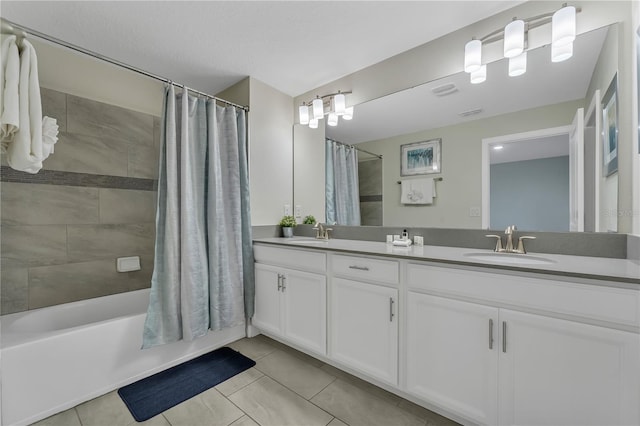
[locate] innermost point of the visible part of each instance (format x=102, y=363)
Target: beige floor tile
x=337, y=422
x=270, y=403
x=432, y=419
x=366, y=386
x=158, y=420
x=357, y=407
x=209, y=408
x=244, y=421
x=254, y=348
x=306, y=358
x=302, y=378
x=239, y=381
x=66, y=418
x=105, y=410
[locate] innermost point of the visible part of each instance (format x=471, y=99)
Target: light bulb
x=348, y=113
x=472, y=56
x=339, y=104
x=479, y=76
x=514, y=38
x=563, y=26
x=518, y=65
x=313, y=123
x=303, y=112
x=332, y=120
x=318, y=108
x=561, y=53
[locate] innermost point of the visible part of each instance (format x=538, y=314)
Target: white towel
x=49, y=135
x=25, y=152
x=9, y=106
x=418, y=191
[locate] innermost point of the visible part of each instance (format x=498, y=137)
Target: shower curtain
x=341, y=184
x=203, y=274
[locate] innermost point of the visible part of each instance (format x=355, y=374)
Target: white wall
x=67, y=71
x=270, y=152
x=309, y=170
x=635, y=50
x=461, y=187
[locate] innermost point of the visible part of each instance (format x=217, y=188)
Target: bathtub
x=52, y=359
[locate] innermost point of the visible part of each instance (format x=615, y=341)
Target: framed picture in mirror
x=610, y=128
x=420, y=158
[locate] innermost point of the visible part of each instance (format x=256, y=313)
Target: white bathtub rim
x=12, y=338
x=233, y=334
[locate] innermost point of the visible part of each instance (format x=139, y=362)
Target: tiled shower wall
x=94, y=201
x=370, y=186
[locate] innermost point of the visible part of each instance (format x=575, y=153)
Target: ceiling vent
x=445, y=89
x=470, y=112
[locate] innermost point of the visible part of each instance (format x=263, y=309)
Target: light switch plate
x=128, y=264
x=298, y=210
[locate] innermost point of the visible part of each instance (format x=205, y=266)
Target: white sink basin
x=306, y=241
x=510, y=258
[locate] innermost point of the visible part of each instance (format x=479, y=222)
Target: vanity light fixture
x=333, y=105
x=514, y=36
x=518, y=65
x=479, y=76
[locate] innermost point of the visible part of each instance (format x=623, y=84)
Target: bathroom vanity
x=483, y=339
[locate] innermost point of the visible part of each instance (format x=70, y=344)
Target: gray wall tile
x=34, y=245
x=156, y=132
x=141, y=279
x=54, y=105
x=143, y=161
x=14, y=280
x=127, y=206
x=88, y=117
x=32, y=204
x=88, y=154
x=100, y=241
x=371, y=213
x=370, y=177
x=52, y=285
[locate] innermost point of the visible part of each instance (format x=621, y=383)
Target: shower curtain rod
x=356, y=148
x=9, y=27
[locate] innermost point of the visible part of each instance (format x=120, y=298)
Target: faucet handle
x=326, y=232
x=521, y=248
x=498, y=242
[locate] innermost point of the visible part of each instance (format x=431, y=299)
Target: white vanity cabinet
x=452, y=355
x=364, y=315
x=568, y=359
x=290, y=303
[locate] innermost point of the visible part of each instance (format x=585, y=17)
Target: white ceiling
x=294, y=46
x=417, y=109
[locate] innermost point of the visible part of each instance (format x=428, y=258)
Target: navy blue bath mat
x=151, y=396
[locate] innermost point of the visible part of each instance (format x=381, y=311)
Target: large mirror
x=535, y=118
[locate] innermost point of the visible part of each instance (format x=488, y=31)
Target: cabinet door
x=267, y=309
x=452, y=355
x=364, y=328
x=305, y=309
x=558, y=372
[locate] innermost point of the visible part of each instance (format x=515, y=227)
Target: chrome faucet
x=508, y=248
x=322, y=231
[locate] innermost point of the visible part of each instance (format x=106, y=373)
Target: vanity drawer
x=365, y=268
x=581, y=300
x=292, y=258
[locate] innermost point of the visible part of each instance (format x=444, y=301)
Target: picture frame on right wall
x=610, y=128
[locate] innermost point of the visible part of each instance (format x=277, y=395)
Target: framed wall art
x=421, y=158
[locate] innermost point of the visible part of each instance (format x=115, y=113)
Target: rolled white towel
x=49, y=135
x=25, y=151
x=9, y=80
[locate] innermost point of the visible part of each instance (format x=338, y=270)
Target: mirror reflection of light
x=498, y=147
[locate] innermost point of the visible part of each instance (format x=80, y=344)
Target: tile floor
x=286, y=387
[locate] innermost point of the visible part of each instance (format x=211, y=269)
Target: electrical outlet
x=298, y=210
x=474, y=212
x=287, y=209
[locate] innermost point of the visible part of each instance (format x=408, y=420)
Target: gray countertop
x=598, y=268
